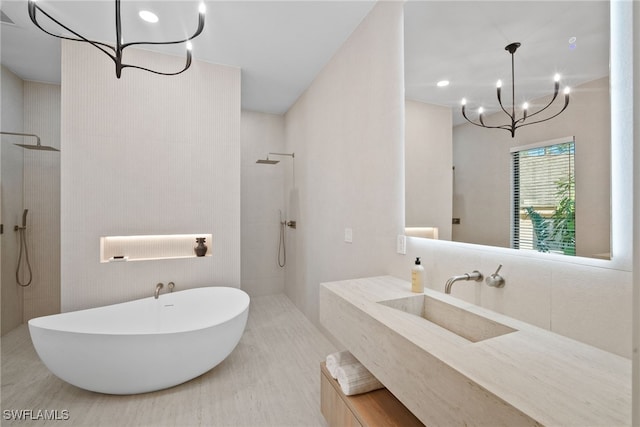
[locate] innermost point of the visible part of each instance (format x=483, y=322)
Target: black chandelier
x=518, y=123
x=115, y=53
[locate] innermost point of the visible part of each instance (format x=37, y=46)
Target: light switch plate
x=401, y=246
x=348, y=235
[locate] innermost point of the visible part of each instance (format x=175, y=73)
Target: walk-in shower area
x=269, y=207
x=284, y=223
x=29, y=200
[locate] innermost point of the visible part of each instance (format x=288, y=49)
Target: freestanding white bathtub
x=143, y=345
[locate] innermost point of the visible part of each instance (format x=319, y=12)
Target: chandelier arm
x=566, y=104
x=196, y=34
x=521, y=120
x=482, y=125
x=464, y=114
x=541, y=110
x=499, y=93
x=511, y=117
x=508, y=128
x=32, y=14
x=107, y=49
x=187, y=65
x=505, y=127
x=477, y=124
x=555, y=95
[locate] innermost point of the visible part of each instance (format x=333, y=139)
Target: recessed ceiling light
x=443, y=83
x=148, y=16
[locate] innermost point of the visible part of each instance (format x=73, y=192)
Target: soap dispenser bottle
x=417, y=277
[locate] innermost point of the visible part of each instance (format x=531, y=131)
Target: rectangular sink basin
x=461, y=322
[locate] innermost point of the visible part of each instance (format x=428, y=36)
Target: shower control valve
x=291, y=224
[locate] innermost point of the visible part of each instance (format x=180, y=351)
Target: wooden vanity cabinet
x=377, y=408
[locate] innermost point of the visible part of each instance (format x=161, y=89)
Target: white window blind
x=544, y=197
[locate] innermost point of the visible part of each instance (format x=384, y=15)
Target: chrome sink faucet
x=475, y=275
x=157, y=293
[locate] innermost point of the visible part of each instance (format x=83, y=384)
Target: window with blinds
x=544, y=197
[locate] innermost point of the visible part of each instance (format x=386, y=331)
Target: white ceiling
x=282, y=45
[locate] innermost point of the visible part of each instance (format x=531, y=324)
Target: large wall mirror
x=459, y=177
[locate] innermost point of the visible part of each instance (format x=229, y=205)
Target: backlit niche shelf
x=150, y=247
x=424, y=232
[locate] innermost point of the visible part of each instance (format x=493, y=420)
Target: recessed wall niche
x=151, y=247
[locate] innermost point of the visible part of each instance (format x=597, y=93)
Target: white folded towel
x=356, y=379
x=338, y=359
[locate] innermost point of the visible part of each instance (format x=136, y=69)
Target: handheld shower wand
x=23, y=248
x=282, y=246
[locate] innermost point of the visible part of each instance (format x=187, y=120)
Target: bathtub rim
x=40, y=322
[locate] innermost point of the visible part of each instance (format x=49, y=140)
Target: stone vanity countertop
x=553, y=379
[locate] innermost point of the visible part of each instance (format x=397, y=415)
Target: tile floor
x=272, y=378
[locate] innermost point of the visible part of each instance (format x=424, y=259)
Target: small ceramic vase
x=201, y=248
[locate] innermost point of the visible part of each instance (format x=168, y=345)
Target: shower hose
x=282, y=248
x=23, y=248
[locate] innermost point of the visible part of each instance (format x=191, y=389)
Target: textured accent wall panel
x=147, y=154
x=263, y=204
x=42, y=198
x=11, y=201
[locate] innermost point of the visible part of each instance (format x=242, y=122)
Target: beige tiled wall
x=141, y=155
x=263, y=197
x=42, y=198
x=346, y=130
x=12, y=198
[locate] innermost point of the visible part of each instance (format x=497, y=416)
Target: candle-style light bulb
x=556, y=78
x=525, y=106
x=567, y=90
x=464, y=101
x=499, y=91
x=480, y=110
x=202, y=8
x=189, y=46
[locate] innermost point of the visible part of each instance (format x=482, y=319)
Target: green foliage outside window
x=557, y=233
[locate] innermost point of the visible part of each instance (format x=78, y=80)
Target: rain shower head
x=267, y=161
x=38, y=146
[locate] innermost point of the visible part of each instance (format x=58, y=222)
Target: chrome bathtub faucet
x=158, y=287
x=171, y=285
